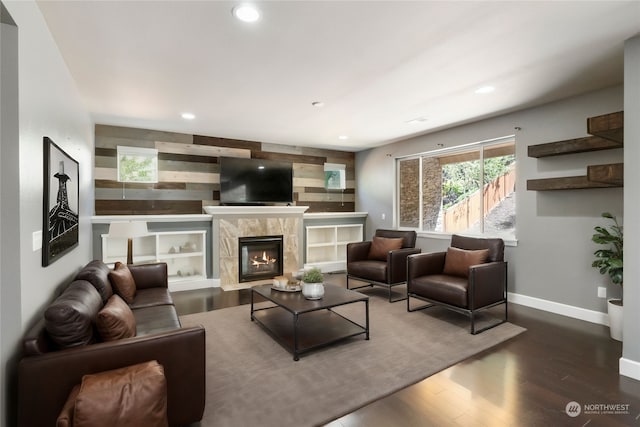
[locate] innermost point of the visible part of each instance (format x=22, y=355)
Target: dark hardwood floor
x=526, y=381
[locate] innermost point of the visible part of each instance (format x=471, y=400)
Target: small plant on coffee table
x=313, y=276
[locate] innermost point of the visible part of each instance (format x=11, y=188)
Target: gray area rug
x=252, y=380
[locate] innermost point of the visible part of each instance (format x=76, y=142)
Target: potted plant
x=609, y=261
x=312, y=284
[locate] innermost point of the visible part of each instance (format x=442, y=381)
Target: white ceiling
x=374, y=64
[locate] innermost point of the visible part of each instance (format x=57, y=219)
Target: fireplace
x=259, y=257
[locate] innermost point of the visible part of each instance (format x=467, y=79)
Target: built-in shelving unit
x=327, y=245
x=183, y=251
x=607, y=133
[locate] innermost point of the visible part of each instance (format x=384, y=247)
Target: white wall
x=49, y=105
x=552, y=260
x=10, y=321
x=630, y=362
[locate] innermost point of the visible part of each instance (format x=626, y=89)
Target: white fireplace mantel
x=246, y=211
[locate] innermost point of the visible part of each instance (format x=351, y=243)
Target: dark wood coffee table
x=301, y=325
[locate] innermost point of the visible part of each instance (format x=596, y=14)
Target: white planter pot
x=614, y=308
x=312, y=291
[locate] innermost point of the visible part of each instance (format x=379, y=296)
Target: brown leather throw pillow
x=123, y=283
x=458, y=261
x=131, y=396
x=380, y=247
x=115, y=320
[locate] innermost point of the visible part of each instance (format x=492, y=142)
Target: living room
x=549, y=259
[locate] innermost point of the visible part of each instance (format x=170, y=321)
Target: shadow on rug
x=252, y=380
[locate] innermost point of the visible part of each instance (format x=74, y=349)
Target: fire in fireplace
x=260, y=257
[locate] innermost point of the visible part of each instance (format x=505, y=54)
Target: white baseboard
x=629, y=368
x=562, y=309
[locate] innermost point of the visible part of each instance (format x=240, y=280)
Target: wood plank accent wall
x=189, y=175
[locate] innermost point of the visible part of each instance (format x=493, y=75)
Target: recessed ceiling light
x=343, y=137
x=318, y=104
x=485, y=89
x=246, y=13
x=416, y=120
x=188, y=116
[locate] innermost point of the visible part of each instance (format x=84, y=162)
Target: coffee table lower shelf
x=309, y=331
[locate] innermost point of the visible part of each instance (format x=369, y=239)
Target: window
x=137, y=164
x=468, y=189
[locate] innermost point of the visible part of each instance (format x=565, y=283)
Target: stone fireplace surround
x=231, y=222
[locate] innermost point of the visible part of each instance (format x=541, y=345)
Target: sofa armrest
x=153, y=275
x=397, y=262
x=358, y=251
x=425, y=264
x=44, y=381
x=487, y=283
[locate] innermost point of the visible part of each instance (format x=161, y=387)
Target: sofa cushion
x=150, y=297
x=371, y=269
x=380, y=247
x=115, y=320
x=132, y=396
x=69, y=319
x=123, y=282
x=152, y=320
x=458, y=261
x=97, y=273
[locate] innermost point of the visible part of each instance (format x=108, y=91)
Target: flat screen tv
x=255, y=181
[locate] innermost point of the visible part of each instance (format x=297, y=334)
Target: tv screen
x=255, y=181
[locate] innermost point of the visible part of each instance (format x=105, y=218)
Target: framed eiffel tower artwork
x=60, y=203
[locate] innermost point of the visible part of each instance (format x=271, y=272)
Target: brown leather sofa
x=471, y=276
x=47, y=373
x=381, y=261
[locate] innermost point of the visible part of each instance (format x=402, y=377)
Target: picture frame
x=60, y=202
x=334, y=176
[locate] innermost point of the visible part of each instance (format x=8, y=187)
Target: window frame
x=508, y=236
x=142, y=153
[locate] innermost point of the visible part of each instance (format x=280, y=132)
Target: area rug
x=252, y=380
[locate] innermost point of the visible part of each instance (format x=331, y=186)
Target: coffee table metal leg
x=366, y=309
x=295, y=338
x=252, y=305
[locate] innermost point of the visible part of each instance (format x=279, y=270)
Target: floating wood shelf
x=607, y=131
x=608, y=174
x=572, y=146
x=566, y=183
x=608, y=126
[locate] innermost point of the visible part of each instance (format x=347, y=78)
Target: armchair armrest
x=397, y=263
x=425, y=264
x=44, y=381
x=153, y=275
x=358, y=251
x=487, y=283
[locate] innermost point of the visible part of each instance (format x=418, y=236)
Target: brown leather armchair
x=469, y=277
x=381, y=261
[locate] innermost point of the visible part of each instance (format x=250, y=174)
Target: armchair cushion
x=380, y=247
x=116, y=320
x=123, y=282
x=458, y=261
